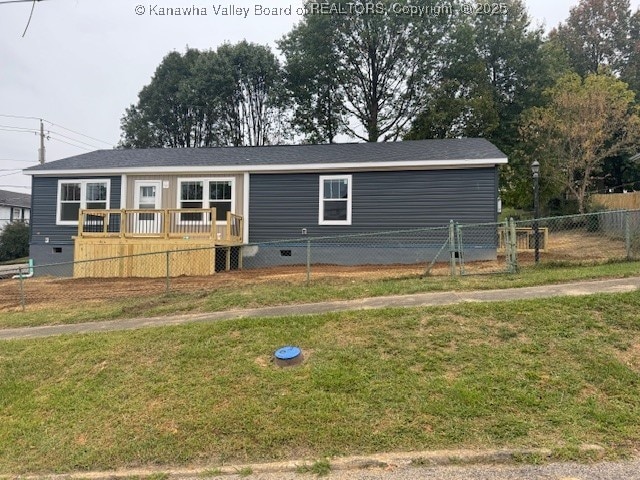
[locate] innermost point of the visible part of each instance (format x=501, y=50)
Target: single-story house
x=14, y=207
x=107, y=202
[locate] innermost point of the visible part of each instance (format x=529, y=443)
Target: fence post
x=513, y=249
x=452, y=248
x=168, y=273
x=627, y=234
x=505, y=238
x=22, y=299
x=308, y=262
x=460, y=244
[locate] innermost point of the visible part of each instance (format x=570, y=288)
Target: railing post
x=123, y=223
x=214, y=227
x=80, y=222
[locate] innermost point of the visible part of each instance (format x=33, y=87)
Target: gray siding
x=59, y=247
x=281, y=205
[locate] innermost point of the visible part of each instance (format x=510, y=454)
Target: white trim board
x=283, y=168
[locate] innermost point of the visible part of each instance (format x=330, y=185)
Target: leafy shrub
x=14, y=241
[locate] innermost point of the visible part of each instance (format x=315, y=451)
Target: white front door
x=148, y=196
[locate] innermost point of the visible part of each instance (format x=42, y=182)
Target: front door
x=148, y=196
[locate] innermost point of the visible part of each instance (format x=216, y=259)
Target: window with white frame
x=335, y=200
x=76, y=195
x=221, y=198
x=218, y=193
x=191, y=196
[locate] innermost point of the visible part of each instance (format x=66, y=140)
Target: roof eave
x=283, y=168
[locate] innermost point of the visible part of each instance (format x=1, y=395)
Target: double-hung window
x=221, y=197
x=191, y=196
x=76, y=195
x=335, y=200
x=202, y=193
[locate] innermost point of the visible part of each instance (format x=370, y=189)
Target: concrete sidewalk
x=415, y=300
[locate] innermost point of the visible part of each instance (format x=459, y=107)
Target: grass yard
x=554, y=373
x=57, y=301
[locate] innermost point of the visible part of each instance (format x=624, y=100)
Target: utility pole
x=41, y=150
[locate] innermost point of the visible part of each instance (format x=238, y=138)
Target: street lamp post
x=535, y=169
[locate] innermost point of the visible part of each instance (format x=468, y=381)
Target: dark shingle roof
x=293, y=155
x=15, y=199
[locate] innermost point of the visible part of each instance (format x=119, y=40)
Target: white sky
x=83, y=62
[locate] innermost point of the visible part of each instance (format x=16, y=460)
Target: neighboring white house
x=14, y=207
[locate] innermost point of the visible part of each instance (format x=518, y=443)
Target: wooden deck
x=154, y=243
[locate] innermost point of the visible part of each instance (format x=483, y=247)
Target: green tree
x=601, y=33
x=492, y=67
x=163, y=117
x=240, y=85
x=311, y=82
x=14, y=241
x=585, y=122
x=459, y=100
x=631, y=70
x=208, y=98
x=363, y=74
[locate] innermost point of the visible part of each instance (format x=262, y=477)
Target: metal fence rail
x=454, y=249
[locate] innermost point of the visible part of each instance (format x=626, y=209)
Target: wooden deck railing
x=525, y=239
x=165, y=223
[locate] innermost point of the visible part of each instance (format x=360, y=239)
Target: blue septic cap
x=287, y=353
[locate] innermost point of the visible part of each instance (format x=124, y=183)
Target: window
x=16, y=214
x=215, y=193
x=335, y=200
x=191, y=196
x=220, y=197
x=74, y=195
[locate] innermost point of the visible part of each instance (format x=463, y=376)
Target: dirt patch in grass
x=51, y=293
x=630, y=357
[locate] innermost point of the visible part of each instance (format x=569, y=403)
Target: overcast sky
x=83, y=62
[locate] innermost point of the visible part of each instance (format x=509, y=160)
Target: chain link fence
x=580, y=239
x=454, y=249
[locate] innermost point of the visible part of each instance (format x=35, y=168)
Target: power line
x=3, y=2
x=78, y=133
x=18, y=116
x=74, y=140
x=110, y=144
x=9, y=128
x=67, y=143
x=14, y=186
x=33, y=7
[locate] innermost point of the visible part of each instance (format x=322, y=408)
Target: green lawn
x=282, y=292
x=554, y=373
